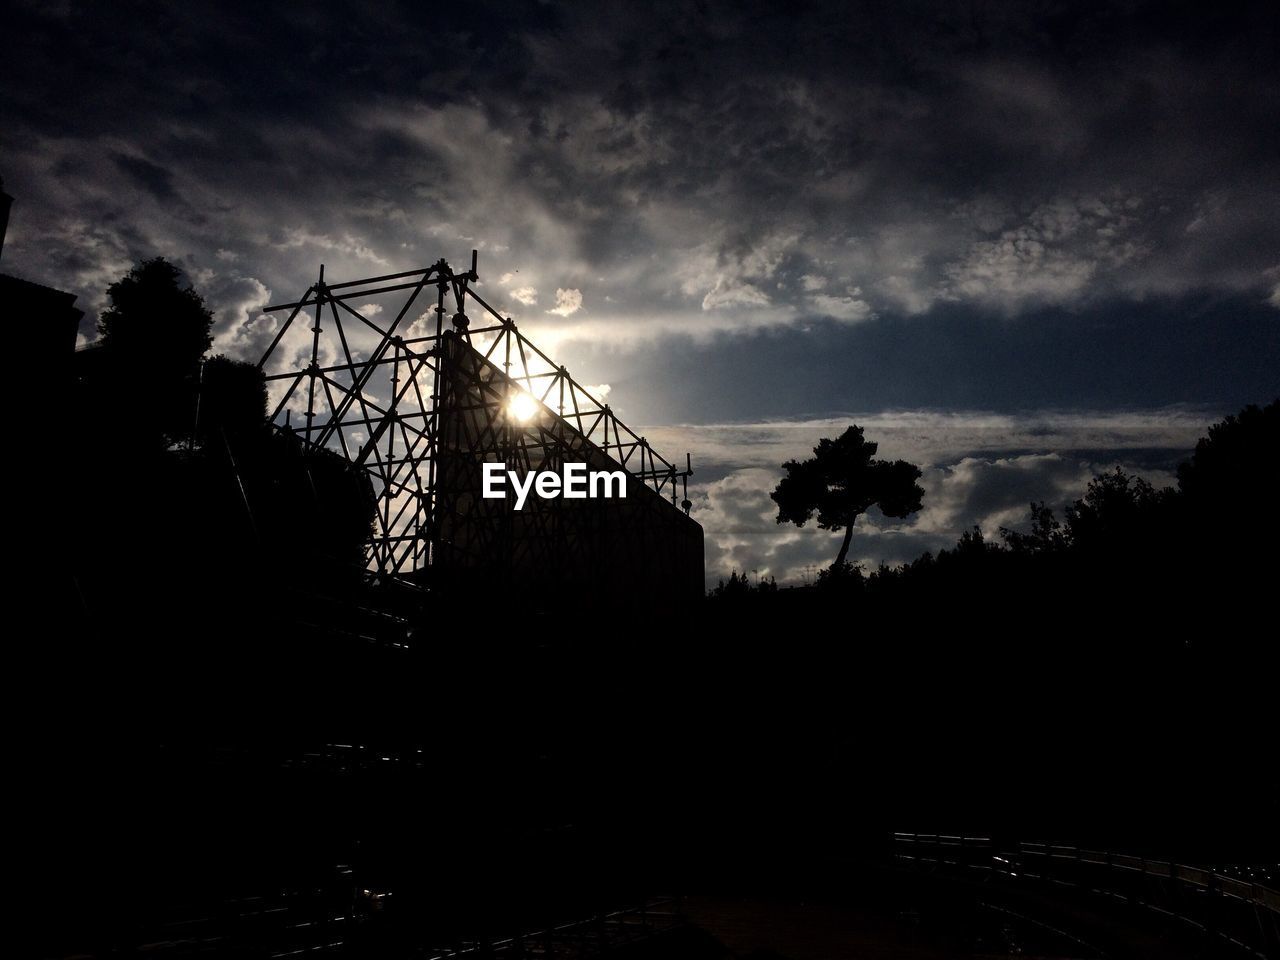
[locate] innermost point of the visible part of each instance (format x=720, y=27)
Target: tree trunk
x=844, y=547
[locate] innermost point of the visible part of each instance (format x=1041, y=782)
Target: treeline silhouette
x=1195, y=561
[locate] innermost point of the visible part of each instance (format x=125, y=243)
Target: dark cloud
x=1217, y=350
x=1007, y=155
x=154, y=179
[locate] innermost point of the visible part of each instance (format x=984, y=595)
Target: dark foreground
x=309, y=782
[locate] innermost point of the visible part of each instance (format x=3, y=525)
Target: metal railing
x=1243, y=913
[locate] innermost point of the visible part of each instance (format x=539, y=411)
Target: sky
x=1019, y=243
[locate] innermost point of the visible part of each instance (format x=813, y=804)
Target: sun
x=522, y=407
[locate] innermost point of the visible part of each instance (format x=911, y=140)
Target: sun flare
x=522, y=407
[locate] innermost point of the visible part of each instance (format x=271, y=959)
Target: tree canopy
x=155, y=321
x=841, y=481
x=153, y=336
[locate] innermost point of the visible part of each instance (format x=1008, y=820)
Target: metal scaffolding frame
x=399, y=398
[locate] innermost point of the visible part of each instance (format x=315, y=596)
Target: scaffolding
x=420, y=400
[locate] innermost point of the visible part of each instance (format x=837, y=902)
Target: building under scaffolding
x=420, y=400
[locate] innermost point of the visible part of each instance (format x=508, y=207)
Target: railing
x=1243, y=913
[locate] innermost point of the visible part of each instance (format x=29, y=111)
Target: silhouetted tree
x=841, y=482
x=232, y=401
x=1229, y=512
x=973, y=544
x=1237, y=464
x=840, y=577
x=1117, y=510
x=739, y=586
x=152, y=336
x=152, y=317
x=1045, y=536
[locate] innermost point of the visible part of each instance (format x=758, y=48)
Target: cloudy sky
x=1019, y=242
